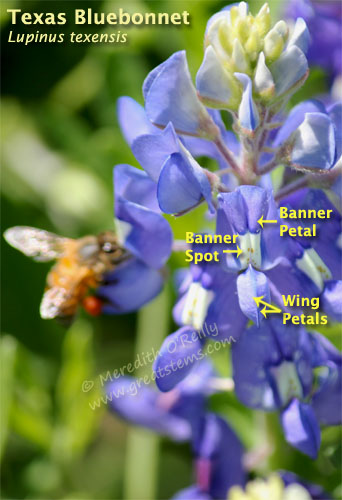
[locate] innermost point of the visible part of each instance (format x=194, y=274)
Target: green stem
x=141, y=461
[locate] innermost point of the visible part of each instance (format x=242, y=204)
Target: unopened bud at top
x=243, y=43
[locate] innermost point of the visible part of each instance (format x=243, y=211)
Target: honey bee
x=80, y=266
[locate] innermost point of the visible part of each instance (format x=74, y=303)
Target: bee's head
x=108, y=242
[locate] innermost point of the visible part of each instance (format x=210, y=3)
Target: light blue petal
x=133, y=184
x=295, y=118
x=240, y=210
x=182, y=184
x=314, y=143
x=332, y=300
x=327, y=400
x=251, y=284
x=170, y=96
x=248, y=113
x=133, y=120
x=301, y=428
x=335, y=113
x=152, y=150
x=129, y=287
x=140, y=405
x=255, y=350
x=289, y=70
x=191, y=493
x=213, y=82
x=177, y=355
x=147, y=235
x=300, y=36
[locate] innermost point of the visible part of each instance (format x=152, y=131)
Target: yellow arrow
x=238, y=251
x=265, y=311
x=261, y=221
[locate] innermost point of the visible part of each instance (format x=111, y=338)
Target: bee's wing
x=36, y=243
x=53, y=300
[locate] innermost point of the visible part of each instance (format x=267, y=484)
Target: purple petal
x=170, y=96
x=148, y=235
x=326, y=243
x=327, y=400
x=335, y=114
x=134, y=185
x=248, y=112
x=240, y=211
x=133, y=120
x=152, y=150
x=255, y=350
x=289, y=70
x=252, y=284
x=140, y=405
x=314, y=143
x=182, y=184
x=191, y=493
x=129, y=287
x=301, y=428
x=300, y=36
x=178, y=353
x=295, y=118
x=219, y=457
x=331, y=300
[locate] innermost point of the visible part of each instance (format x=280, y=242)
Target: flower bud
x=263, y=79
x=273, y=45
x=253, y=45
x=238, y=39
x=263, y=20
x=239, y=57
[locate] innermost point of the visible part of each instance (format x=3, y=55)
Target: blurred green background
x=60, y=140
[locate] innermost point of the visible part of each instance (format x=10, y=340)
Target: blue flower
x=218, y=461
x=316, y=261
x=145, y=234
x=170, y=96
x=311, y=136
x=169, y=159
x=176, y=414
x=181, y=181
x=236, y=280
x=273, y=368
x=324, y=22
x=269, y=265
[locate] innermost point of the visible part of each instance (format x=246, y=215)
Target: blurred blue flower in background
x=324, y=22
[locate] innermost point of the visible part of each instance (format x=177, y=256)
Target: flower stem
x=227, y=155
x=293, y=186
x=141, y=461
x=269, y=166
